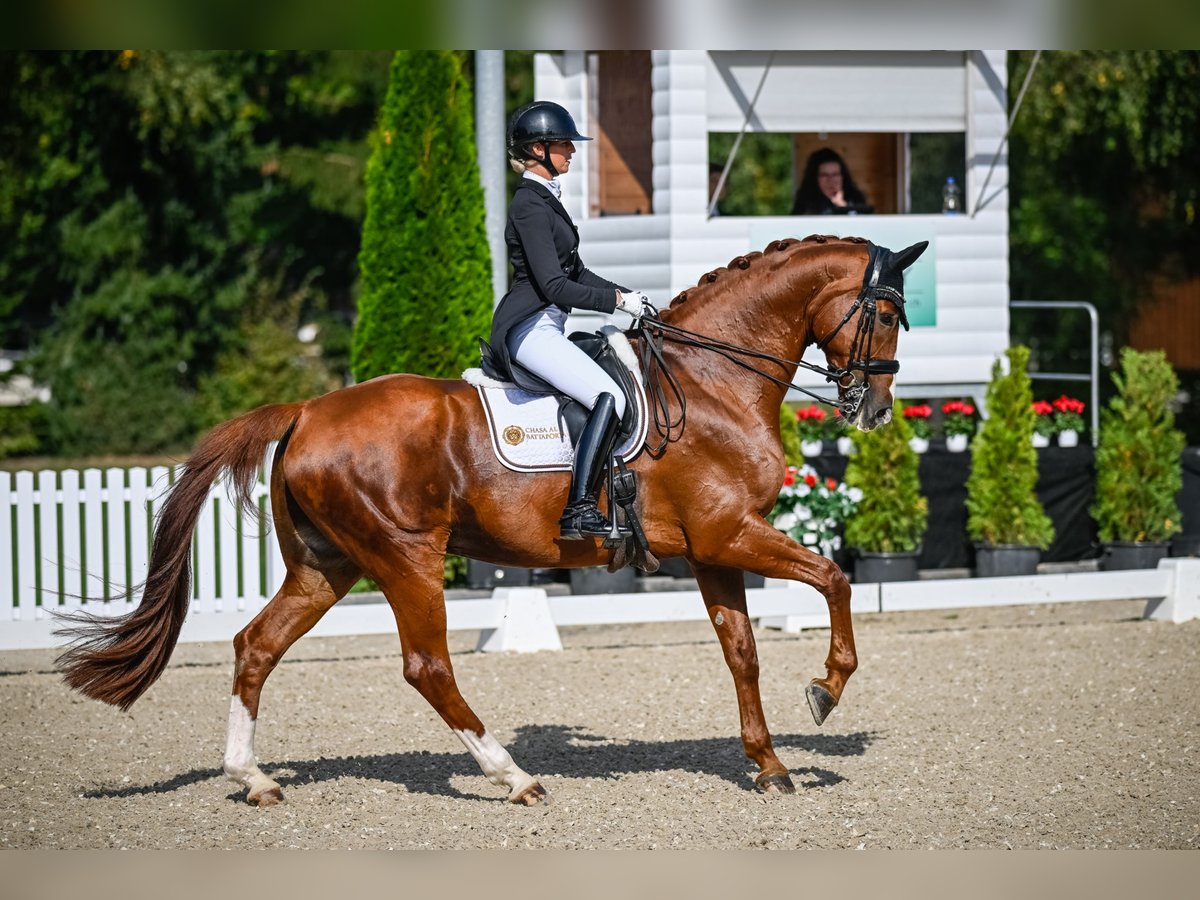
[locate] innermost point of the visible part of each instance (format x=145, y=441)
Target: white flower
x=803, y=513
x=855, y=494
x=784, y=521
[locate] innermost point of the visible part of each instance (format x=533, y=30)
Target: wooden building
x=640, y=192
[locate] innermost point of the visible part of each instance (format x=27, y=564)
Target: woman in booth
x=828, y=188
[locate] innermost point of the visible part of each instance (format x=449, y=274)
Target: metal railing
x=1093, y=377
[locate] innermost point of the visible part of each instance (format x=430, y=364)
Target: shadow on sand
x=561, y=750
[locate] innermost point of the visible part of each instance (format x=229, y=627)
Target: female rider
x=549, y=280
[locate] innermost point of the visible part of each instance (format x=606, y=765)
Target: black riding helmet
x=540, y=122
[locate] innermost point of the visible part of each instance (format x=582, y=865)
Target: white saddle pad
x=525, y=429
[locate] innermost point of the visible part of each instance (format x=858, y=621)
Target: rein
x=655, y=332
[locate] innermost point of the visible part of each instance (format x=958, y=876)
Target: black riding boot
x=581, y=518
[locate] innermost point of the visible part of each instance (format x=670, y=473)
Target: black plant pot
x=598, y=580
x=675, y=567
x=1000, y=560
x=1132, y=555
x=482, y=575
x=873, y=567
x=1185, y=545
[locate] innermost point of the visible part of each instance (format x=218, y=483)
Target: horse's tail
x=116, y=658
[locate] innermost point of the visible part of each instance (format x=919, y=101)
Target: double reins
x=655, y=333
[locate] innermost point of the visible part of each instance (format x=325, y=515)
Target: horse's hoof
x=270, y=797
x=820, y=701
x=775, y=784
x=533, y=795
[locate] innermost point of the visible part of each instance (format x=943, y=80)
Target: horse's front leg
x=724, y=594
x=758, y=547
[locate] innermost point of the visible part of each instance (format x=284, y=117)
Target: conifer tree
x=426, y=272
x=1138, y=472
x=789, y=436
x=892, y=514
x=1002, y=503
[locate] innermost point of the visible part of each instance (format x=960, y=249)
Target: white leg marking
x=497, y=765
x=240, y=764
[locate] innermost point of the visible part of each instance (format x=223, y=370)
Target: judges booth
x=640, y=192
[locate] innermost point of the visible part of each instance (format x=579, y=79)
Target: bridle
x=655, y=332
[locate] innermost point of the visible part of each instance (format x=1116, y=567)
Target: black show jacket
x=543, y=247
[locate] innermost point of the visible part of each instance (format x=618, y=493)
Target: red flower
x=958, y=406
x=810, y=479
x=1042, y=408
x=831, y=484
x=918, y=411
x=1068, y=404
x=789, y=479
x=810, y=412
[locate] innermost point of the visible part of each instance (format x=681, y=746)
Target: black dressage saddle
x=571, y=411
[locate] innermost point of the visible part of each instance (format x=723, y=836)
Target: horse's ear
x=909, y=255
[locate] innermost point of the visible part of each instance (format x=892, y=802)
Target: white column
x=490, y=127
x=679, y=103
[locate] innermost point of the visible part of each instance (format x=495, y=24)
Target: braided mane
x=740, y=264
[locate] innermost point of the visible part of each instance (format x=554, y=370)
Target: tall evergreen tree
x=1002, y=502
x=425, y=266
x=892, y=516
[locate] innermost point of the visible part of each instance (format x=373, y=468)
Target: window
x=621, y=116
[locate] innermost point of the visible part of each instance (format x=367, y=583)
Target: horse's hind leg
x=305, y=596
x=417, y=601
x=724, y=594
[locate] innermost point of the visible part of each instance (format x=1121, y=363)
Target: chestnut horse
x=384, y=478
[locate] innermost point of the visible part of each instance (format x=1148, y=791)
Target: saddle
x=633, y=548
x=573, y=413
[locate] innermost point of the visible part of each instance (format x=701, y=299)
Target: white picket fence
x=81, y=540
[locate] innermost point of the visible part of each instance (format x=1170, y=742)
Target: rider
x=549, y=280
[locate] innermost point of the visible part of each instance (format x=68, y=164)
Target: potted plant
x=1043, y=423
x=812, y=510
x=1004, y=516
x=1138, y=470
x=917, y=416
x=1068, y=420
x=886, y=530
x=837, y=431
x=810, y=423
x=789, y=436
x=958, y=424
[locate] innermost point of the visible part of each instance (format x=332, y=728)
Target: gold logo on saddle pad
x=514, y=434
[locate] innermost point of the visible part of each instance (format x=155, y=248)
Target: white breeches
x=540, y=345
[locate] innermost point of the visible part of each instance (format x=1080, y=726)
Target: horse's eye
x=887, y=319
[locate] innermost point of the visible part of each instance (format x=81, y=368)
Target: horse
x=386, y=477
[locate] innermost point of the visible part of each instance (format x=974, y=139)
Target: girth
x=573, y=413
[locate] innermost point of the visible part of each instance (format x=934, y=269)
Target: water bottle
x=951, y=198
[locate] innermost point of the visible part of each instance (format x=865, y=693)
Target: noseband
x=854, y=390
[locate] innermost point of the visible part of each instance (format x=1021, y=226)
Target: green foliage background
x=147, y=199
x=1138, y=471
x=892, y=515
x=1002, y=503
x=426, y=269
x=156, y=208
x=1103, y=193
